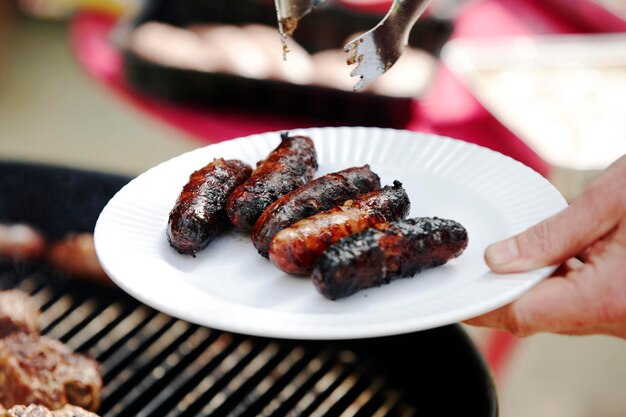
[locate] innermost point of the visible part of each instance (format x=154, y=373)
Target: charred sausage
x=385, y=252
x=295, y=248
x=321, y=194
x=198, y=215
x=290, y=165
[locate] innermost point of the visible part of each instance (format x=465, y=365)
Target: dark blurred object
x=327, y=28
x=593, y=15
x=54, y=200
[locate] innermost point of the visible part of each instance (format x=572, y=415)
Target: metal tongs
x=376, y=50
x=289, y=13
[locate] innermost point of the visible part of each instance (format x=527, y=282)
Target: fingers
x=569, y=232
x=554, y=305
x=586, y=299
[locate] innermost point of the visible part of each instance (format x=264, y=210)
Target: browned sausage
x=321, y=194
x=198, y=215
x=296, y=248
x=385, y=252
x=290, y=165
x=75, y=255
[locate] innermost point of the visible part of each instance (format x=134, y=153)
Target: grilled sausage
x=290, y=165
x=198, y=215
x=318, y=195
x=75, y=255
x=387, y=251
x=295, y=248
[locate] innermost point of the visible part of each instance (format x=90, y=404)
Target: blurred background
x=118, y=86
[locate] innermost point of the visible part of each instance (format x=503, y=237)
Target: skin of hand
x=587, y=294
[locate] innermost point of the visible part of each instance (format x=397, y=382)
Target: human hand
x=587, y=294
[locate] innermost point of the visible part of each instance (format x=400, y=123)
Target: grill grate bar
x=210, y=345
x=206, y=366
x=169, y=368
x=212, y=384
x=390, y=404
x=60, y=307
x=30, y=285
x=240, y=389
x=79, y=325
x=133, y=372
x=289, y=397
x=338, y=397
x=322, y=389
x=273, y=383
x=71, y=320
x=42, y=296
x=95, y=325
x=135, y=345
x=116, y=337
x=360, y=403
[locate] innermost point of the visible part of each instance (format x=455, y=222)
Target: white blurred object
x=565, y=96
x=409, y=77
x=299, y=68
x=251, y=51
x=173, y=46
x=239, y=50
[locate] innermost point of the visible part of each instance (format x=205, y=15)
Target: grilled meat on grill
x=198, y=215
x=72, y=411
x=318, y=195
x=18, y=313
x=20, y=241
x=34, y=410
x=289, y=166
x=75, y=255
x=387, y=251
x=39, y=370
x=295, y=248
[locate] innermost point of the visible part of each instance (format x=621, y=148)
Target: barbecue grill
x=157, y=365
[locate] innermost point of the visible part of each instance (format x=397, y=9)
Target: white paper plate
x=229, y=286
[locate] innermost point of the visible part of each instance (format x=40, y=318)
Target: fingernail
x=503, y=252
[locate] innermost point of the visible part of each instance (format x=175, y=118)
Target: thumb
x=563, y=235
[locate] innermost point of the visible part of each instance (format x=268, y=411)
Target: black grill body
x=156, y=365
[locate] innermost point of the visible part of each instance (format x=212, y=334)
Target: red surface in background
x=449, y=109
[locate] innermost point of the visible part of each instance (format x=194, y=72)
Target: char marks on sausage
x=292, y=164
x=295, y=249
x=199, y=215
x=320, y=194
x=385, y=252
